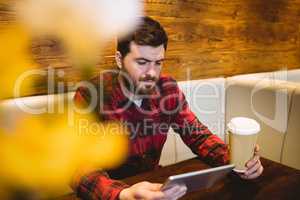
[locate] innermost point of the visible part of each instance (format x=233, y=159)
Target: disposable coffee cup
x=243, y=133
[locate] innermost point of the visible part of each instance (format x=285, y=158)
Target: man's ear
x=118, y=58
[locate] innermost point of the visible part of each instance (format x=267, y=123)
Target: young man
x=149, y=104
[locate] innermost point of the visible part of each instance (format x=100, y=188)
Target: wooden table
x=276, y=182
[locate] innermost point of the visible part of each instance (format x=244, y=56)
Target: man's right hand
x=151, y=191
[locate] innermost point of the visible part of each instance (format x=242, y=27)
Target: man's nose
x=151, y=69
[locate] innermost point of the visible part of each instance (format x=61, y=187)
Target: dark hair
x=149, y=32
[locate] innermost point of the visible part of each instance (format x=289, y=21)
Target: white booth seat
x=168, y=154
x=292, y=76
x=206, y=99
x=273, y=99
x=37, y=104
x=266, y=97
x=265, y=100
x=291, y=147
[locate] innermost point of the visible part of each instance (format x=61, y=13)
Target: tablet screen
x=198, y=179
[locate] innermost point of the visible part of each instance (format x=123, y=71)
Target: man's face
x=143, y=65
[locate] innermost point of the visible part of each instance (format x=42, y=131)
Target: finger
x=170, y=191
x=183, y=188
x=256, y=174
x=175, y=196
x=180, y=193
x=179, y=189
x=253, y=168
x=243, y=176
x=175, y=191
x=152, y=186
x=155, y=186
x=252, y=162
x=256, y=151
x=148, y=194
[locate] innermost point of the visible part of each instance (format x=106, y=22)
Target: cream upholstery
x=291, y=148
x=265, y=100
x=168, y=154
x=36, y=104
x=206, y=99
x=292, y=76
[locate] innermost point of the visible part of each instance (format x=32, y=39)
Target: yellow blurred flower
x=14, y=60
x=43, y=152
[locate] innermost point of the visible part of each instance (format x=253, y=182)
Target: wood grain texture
x=207, y=39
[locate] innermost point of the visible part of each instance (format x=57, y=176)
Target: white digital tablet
x=198, y=179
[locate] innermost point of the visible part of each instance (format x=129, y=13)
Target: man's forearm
x=98, y=185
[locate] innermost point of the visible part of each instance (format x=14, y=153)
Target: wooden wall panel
x=207, y=38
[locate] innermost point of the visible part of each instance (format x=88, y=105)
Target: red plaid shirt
x=148, y=126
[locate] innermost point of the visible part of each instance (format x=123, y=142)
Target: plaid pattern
x=148, y=126
x=98, y=185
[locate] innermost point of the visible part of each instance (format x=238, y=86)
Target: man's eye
x=142, y=63
x=158, y=63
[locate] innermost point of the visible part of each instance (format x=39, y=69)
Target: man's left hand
x=254, y=167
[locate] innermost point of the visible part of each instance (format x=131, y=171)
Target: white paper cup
x=243, y=134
